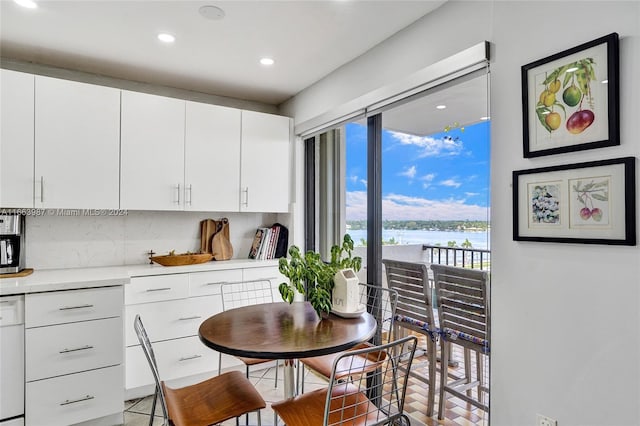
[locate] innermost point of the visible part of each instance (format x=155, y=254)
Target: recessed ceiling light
x=211, y=12
x=29, y=4
x=485, y=118
x=267, y=61
x=441, y=106
x=166, y=37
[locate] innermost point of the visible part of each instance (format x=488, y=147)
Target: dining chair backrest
x=411, y=281
x=238, y=294
x=371, y=394
x=145, y=343
x=363, y=394
x=463, y=305
x=381, y=303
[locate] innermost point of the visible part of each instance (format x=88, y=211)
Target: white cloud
x=450, y=182
x=429, y=146
x=471, y=194
x=410, y=172
x=403, y=207
x=363, y=181
x=428, y=178
x=353, y=178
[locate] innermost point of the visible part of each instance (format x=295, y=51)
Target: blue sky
x=439, y=177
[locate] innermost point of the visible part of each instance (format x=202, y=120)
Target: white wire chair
x=212, y=401
x=381, y=303
x=358, y=394
x=238, y=294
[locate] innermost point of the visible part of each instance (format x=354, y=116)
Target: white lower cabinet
x=173, y=322
x=74, y=398
x=73, y=356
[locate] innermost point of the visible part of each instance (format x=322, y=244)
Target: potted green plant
x=316, y=273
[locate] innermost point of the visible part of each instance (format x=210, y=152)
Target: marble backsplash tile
x=86, y=241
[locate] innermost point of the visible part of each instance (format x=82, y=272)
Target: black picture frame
x=570, y=100
x=585, y=203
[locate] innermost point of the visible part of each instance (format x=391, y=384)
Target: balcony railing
x=458, y=256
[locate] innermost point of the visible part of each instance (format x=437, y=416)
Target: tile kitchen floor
x=457, y=412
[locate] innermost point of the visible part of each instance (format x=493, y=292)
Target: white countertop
x=74, y=278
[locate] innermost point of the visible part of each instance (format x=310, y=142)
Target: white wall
x=565, y=317
x=85, y=241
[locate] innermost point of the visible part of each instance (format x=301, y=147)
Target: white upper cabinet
x=77, y=140
x=152, y=152
x=212, y=158
x=265, y=167
x=16, y=139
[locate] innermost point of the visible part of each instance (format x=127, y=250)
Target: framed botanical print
x=589, y=203
x=570, y=99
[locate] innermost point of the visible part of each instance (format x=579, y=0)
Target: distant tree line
x=425, y=225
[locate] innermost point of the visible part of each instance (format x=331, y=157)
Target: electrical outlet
x=545, y=421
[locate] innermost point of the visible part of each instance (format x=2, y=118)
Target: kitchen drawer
x=176, y=358
x=61, y=307
x=70, y=348
x=170, y=319
x=267, y=273
x=75, y=398
x=205, y=283
x=156, y=288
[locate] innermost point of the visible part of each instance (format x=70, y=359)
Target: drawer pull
x=68, y=308
x=186, y=358
x=158, y=289
x=82, y=348
x=218, y=283
x=73, y=401
x=189, y=318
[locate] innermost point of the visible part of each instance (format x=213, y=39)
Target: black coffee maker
x=11, y=243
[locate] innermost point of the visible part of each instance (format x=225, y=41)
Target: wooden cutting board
x=221, y=247
x=23, y=273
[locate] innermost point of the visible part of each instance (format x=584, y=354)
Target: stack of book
x=269, y=243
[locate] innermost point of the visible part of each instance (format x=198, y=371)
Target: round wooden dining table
x=283, y=331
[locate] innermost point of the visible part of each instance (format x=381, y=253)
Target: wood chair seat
x=212, y=401
x=324, y=364
x=308, y=409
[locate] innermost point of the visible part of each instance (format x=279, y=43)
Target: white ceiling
x=307, y=39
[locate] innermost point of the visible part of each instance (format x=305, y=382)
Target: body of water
x=479, y=240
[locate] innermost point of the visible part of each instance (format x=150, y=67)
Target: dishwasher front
x=11, y=360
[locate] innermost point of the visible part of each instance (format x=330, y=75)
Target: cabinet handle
x=42, y=189
x=158, y=289
x=73, y=401
x=189, y=318
x=246, y=197
x=187, y=358
x=188, y=201
x=218, y=283
x=82, y=348
x=68, y=308
x=178, y=194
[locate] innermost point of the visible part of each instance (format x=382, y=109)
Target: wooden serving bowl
x=182, y=259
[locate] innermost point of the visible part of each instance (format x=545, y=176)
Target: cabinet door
x=16, y=139
x=152, y=152
x=77, y=144
x=212, y=158
x=265, y=162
